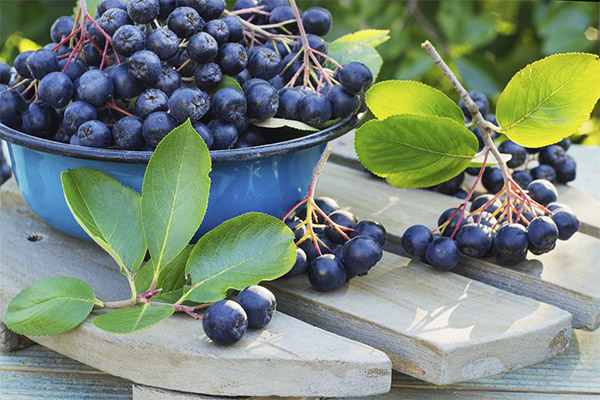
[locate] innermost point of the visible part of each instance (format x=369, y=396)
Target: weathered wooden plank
x=575, y=194
x=176, y=354
x=438, y=327
x=568, y=277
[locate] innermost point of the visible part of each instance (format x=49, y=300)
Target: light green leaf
x=281, y=122
x=170, y=277
x=345, y=52
x=109, y=212
x=49, y=307
x=414, y=150
x=549, y=99
x=134, y=319
x=175, y=193
x=226, y=81
x=371, y=37
x=491, y=160
x=240, y=252
x=410, y=97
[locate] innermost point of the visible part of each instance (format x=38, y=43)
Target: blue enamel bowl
x=271, y=178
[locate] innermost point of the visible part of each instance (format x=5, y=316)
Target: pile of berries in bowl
x=110, y=86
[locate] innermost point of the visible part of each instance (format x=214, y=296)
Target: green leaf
x=49, y=307
x=409, y=97
x=549, y=99
x=281, y=122
x=170, y=277
x=414, y=150
x=109, y=212
x=240, y=252
x=175, y=193
x=477, y=162
x=371, y=37
x=226, y=81
x=345, y=52
x=134, y=319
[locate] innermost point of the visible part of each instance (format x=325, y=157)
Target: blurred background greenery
x=486, y=42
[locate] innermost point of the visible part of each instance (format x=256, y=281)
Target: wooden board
x=438, y=327
x=582, y=195
x=176, y=354
x=568, y=277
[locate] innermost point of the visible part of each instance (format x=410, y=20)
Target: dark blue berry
x=40, y=119
x=202, y=48
x=342, y=103
x=41, y=62
x=76, y=114
x=164, y=42
x=60, y=135
x=566, y=222
x=442, y=253
x=198, y=5
x=232, y=58
x=553, y=155
x=492, y=179
x=143, y=11
x=144, y=66
x=21, y=64
x=327, y=205
x=251, y=82
x=5, y=73
x=157, y=126
x=112, y=19
x=356, y=78
x=56, y=89
x=342, y=218
x=361, y=253
x=317, y=20
x=74, y=70
x=518, y=153
x=299, y=231
x=124, y=86
x=326, y=273
x=166, y=7
x=92, y=56
x=452, y=185
x=94, y=134
x=310, y=249
x=264, y=63
x=236, y=30
x=225, y=322
x=523, y=178
x=542, y=191
x=150, y=101
x=542, y=233
x=510, y=244
x=270, y=5
x=259, y=304
x=480, y=100
x=568, y=171
x=484, y=218
x=104, y=5
x=290, y=64
x=300, y=265
x=263, y=101
x=224, y=134
x=282, y=14
x=245, y=4
x=315, y=109
x=554, y=206
x=229, y=104
x=213, y=10
x=208, y=76
x=127, y=133
x=185, y=66
x=370, y=228
x=242, y=124
x=169, y=80
x=543, y=171
x=95, y=87
x=61, y=28
x=188, y=102
x=474, y=240
x=128, y=39
x=565, y=143
x=185, y=21
x=204, y=132
x=445, y=216
x=289, y=103
x=217, y=29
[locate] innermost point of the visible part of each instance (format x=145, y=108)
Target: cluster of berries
x=226, y=321
x=332, y=257
x=487, y=229
x=126, y=77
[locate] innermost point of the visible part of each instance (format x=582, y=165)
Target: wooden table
x=37, y=372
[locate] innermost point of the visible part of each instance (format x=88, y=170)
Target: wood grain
x=176, y=354
x=568, y=277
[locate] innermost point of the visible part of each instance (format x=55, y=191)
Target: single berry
x=143, y=11
x=553, y=155
x=185, y=21
x=300, y=265
x=204, y=132
x=56, y=89
x=12, y=107
x=213, y=10
x=104, y=5
x=127, y=133
x=542, y=191
x=229, y=104
x=315, y=109
x=21, y=64
x=41, y=62
x=124, y=86
x=361, y=253
x=568, y=171
x=264, y=63
x=76, y=114
x=442, y=253
x=342, y=218
x=259, y=304
x=284, y=14
x=188, y=102
x=263, y=101
x=289, y=103
x=217, y=29
x=474, y=240
x=40, y=119
x=317, y=20
x=95, y=87
x=566, y=222
x=450, y=227
x=518, y=153
x=128, y=39
x=326, y=273
x=225, y=322
x=61, y=28
x=208, y=76
x=156, y=126
x=367, y=227
x=492, y=179
x=542, y=233
x=342, y=103
x=232, y=58
x=164, y=42
x=224, y=134
x=94, y=134
x=356, y=78
x=236, y=29
x=544, y=171
x=202, y=48
x=510, y=244
x=522, y=177
x=150, y=101
x=112, y=19
x=169, y=80
x=144, y=66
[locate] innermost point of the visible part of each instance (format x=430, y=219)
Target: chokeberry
x=361, y=253
x=510, y=244
x=225, y=322
x=259, y=304
x=127, y=133
x=442, y=253
x=355, y=78
x=188, y=102
x=94, y=134
x=326, y=273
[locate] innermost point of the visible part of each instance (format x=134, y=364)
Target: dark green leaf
x=240, y=252
x=345, y=52
x=134, y=319
x=49, y=307
x=175, y=193
x=109, y=212
x=549, y=99
x=410, y=97
x=414, y=150
x=170, y=277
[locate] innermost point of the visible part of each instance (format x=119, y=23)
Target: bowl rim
x=142, y=157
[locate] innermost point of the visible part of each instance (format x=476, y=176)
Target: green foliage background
x=485, y=41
